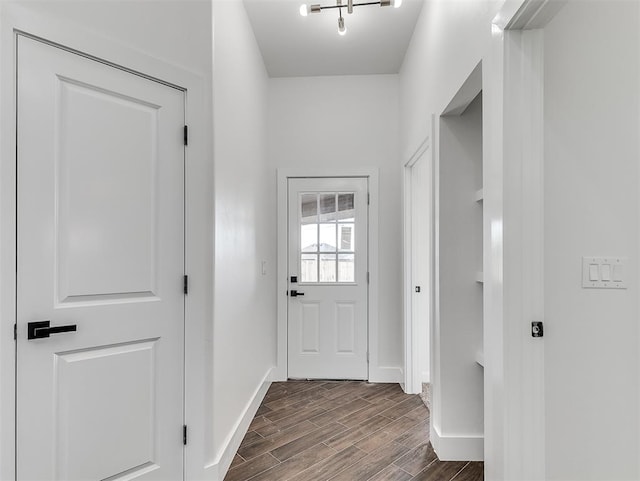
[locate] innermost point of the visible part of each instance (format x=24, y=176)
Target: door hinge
x=367, y=356
x=184, y=435
x=186, y=284
x=368, y=198
x=368, y=278
x=186, y=135
x=15, y=332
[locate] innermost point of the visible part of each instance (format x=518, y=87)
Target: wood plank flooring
x=342, y=431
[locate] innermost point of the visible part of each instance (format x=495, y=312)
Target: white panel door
x=327, y=308
x=100, y=247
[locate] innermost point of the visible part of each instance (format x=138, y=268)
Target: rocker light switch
x=603, y=273
x=617, y=273
x=593, y=272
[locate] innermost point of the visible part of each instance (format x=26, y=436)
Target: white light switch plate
x=604, y=272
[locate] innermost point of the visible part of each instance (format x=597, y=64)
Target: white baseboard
x=386, y=374
x=226, y=454
x=426, y=377
x=278, y=374
x=457, y=448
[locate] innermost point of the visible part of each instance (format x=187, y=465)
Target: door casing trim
x=376, y=373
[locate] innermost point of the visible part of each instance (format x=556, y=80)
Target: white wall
x=591, y=167
x=348, y=122
x=245, y=228
x=591, y=208
x=450, y=39
x=173, y=30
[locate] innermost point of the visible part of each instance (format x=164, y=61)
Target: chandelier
x=317, y=8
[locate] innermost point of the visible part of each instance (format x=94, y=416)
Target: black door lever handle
x=295, y=293
x=42, y=329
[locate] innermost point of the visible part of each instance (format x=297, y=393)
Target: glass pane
x=327, y=207
x=346, y=207
x=346, y=237
x=327, y=238
x=309, y=208
x=327, y=268
x=346, y=268
x=309, y=238
x=345, y=202
x=309, y=268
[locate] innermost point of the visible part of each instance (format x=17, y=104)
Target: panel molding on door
x=100, y=230
x=79, y=381
x=83, y=274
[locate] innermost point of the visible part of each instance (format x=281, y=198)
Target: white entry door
x=327, y=308
x=100, y=258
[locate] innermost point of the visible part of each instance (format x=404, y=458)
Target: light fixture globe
x=304, y=10
x=341, y=28
x=396, y=3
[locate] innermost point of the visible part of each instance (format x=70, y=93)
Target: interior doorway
x=457, y=428
x=418, y=264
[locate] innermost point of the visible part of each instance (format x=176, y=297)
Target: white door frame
x=371, y=173
x=514, y=241
x=198, y=217
x=412, y=368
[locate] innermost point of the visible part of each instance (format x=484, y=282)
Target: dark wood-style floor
x=342, y=431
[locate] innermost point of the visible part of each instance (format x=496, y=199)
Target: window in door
x=327, y=237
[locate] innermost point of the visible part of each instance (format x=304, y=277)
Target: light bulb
x=397, y=3
x=304, y=10
x=341, y=28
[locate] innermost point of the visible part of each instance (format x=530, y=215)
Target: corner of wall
x=218, y=469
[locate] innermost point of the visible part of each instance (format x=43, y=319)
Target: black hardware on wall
x=537, y=329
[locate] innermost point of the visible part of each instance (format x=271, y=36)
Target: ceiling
x=296, y=46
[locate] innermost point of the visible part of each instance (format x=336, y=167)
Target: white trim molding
x=457, y=448
x=376, y=373
x=524, y=257
x=386, y=374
